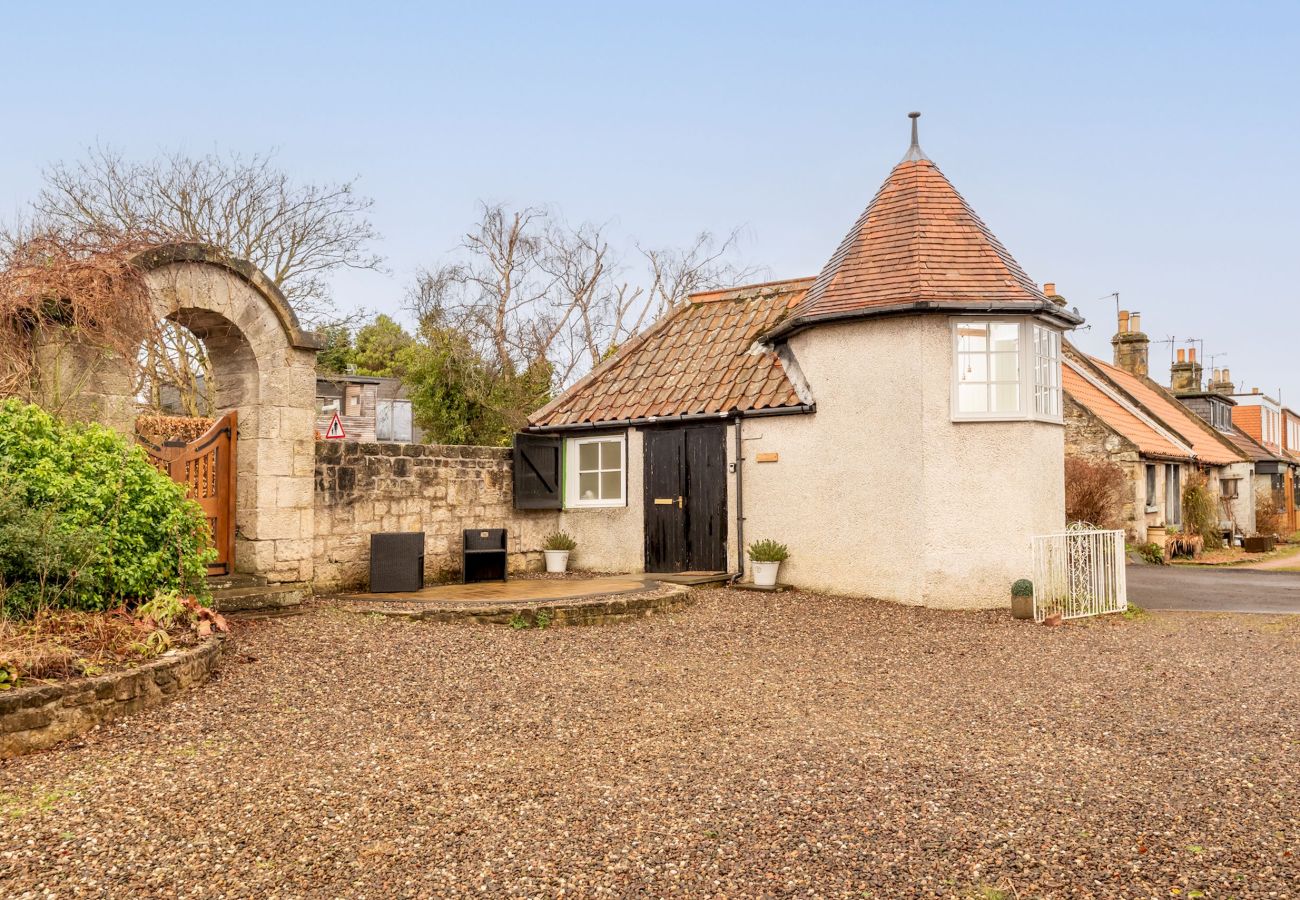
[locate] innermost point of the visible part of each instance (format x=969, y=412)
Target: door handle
x=663, y=501
x=681, y=502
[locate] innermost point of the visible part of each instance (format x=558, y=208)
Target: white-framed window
x=1047, y=372
x=328, y=406
x=595, y=471
x=1005, y=369
x=393, y=420
x=1173, y=494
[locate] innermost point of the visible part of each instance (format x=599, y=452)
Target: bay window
x=1006, y=369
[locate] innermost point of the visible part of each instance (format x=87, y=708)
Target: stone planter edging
x=40, y=716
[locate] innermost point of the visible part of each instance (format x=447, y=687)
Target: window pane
x=972, y=398
x=973, y=367
x=1005, y=335
x=588, y=457
x=1006, y=366
x=1006, y=398
x=611, y=485
x=588, y=485
x=611, y=455
x=972, y=336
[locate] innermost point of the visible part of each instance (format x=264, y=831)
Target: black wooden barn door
x=686, y=499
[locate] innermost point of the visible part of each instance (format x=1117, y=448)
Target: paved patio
x=516, y=590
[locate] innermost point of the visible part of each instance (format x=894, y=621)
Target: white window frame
x=571, y=471
x=1033, y=392
x=328, y=406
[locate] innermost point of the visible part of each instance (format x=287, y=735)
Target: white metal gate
x=1079, y=572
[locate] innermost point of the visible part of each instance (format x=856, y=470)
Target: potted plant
x=557, y=548
x=1022, y=599
x=765, y=559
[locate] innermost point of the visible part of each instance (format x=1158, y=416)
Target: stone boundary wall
x=37, y=717
x=364, y=488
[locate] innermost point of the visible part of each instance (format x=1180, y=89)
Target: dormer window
x=1005, y=369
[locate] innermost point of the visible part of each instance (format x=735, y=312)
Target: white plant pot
x=764, y=573
x=557, y=561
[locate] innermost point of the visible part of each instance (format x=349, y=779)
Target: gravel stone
x=787, y=745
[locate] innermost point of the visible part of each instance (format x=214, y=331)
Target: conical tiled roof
x=919, y=246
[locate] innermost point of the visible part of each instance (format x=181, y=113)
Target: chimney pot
x=1191, y=354
x=1254, y=390
x=1182, y=355
x=1123, y=321
x=1227, y=375
x=1135, y=322
x=1049, y=288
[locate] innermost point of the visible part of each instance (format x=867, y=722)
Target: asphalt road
x=1214, y=590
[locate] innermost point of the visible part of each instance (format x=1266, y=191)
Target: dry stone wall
x=34, y=718
x=364, y=488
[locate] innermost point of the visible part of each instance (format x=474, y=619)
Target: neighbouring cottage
x=1277, y=429
x=896, y=421
x=1119, y=413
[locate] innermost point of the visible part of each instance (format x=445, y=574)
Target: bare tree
x=528, y=286
x=296, y=232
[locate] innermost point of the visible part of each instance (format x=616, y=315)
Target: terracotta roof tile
x=918, y=241
x=1209, y=447
x=696, y=359
x=1120, y=417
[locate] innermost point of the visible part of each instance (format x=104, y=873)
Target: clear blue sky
x=1149, y=148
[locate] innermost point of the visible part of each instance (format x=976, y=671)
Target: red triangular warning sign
x=335, y=432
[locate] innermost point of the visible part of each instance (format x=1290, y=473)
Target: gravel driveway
x=753, y=745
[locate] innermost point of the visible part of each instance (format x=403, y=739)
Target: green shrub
x=1022, y=587
x=87, y=522
x=1201, y=511
x=768, y=551
x=1150, y=551
x=559, y=540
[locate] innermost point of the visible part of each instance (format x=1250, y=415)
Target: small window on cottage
x=328, y=406
x=595, y=472
x=988, y=368
x=1006, y=369
x=1229, y=486
x=1173, y=495
x=1047, y=372
x=1151, y=488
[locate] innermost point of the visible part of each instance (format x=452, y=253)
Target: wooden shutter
x=537, y=472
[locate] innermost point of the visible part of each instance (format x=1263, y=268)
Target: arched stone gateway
x=264, y=367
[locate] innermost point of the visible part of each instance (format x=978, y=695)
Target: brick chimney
x=1221, y=381
x=1049, y=291
x=1131, y=345
x=1185, y=374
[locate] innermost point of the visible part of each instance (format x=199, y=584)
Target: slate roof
x=1249, y=447
x=1121, y=417
x=699, y=358
x=919, y=246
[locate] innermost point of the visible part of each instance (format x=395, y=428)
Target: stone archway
x=264, y=366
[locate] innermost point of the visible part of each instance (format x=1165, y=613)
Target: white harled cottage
x=896, y=421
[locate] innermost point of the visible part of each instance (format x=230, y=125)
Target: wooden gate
x=206, y=466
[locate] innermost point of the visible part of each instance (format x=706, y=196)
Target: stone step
x=234, y=580
x=260, y=597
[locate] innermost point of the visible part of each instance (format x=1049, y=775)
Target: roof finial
x=914, y=152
